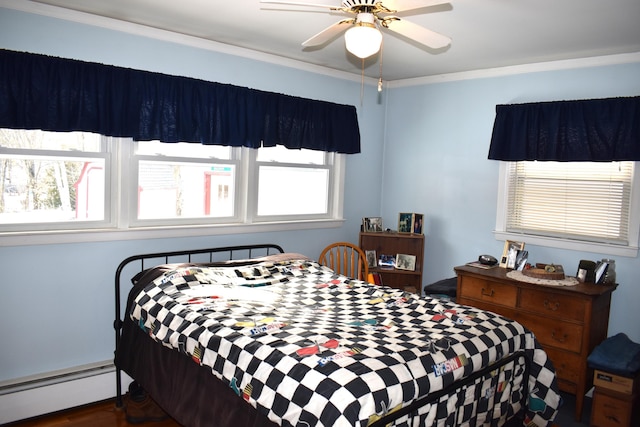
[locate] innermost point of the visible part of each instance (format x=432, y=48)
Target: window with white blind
x=584, y=205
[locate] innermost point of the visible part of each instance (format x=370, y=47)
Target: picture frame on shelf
x=405, y=222
x=372, y=224
x=416, y=223
x=510, y=253
x=386, y=261
x=372, y=258
x=406, y=262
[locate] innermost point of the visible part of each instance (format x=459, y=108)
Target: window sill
x=600, y=248
x=105, y=235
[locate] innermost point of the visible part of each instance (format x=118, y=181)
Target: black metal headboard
x=145, y=261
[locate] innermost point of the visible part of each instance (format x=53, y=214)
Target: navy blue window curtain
x=57, y=94
x=593, y=130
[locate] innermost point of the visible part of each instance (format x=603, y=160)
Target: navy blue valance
x=56, y=94
x=595, y=130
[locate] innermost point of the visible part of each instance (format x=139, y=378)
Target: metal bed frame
x=246, y=251
x=250, y=251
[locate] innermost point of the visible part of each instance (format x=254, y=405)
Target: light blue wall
x=437, y=141
x=57, y=308
x=433, y=140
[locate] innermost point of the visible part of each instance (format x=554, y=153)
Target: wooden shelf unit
x=392, y=243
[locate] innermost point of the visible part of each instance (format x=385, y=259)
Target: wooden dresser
x=568, y=321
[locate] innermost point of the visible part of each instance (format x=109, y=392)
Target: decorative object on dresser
x=545, y=271
x=569, y=320
x=397, y=243
x=410, y=222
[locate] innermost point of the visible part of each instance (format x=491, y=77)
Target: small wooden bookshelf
x=392, y=243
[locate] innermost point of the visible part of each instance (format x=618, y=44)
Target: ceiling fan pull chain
x=362, y=82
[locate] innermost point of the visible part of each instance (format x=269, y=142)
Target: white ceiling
x=485, y=33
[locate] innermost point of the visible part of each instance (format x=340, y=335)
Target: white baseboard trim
x=35, y=401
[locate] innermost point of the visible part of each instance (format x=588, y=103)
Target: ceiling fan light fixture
x=363, y=39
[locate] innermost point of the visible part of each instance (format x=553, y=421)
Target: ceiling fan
x=363, y=37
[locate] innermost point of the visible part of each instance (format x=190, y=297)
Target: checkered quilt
x=308, y=347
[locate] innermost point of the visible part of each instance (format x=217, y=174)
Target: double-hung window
x=590, y=206
x=293, y=184
x=182, y=183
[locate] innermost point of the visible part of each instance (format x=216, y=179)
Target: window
x=293, y=183
x=587, y=204
x=81, y=181
x=183, y=183
x=53, y=180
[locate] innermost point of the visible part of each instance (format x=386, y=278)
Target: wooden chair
x=347, y=259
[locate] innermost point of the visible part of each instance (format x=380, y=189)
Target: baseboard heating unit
x=35, y=395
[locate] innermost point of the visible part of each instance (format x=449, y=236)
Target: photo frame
x=372, y=258
x=510, y=253
x=372, y=224
x=416, y=223
x=405, y=262
x=405, y=222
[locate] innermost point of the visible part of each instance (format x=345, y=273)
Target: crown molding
x=568, y=64
x=169, y=36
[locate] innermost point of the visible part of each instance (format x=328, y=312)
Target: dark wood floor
x=101, y=414
x=106, y=414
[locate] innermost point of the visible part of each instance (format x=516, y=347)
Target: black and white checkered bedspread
x=308, y=347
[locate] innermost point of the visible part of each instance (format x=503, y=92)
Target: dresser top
x=500, y=274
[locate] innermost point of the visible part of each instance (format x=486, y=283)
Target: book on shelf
x=375, y=278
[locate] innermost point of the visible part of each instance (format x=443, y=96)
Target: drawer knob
x=562, y=338
x=551, y=306
x=487, y=294
x=612, y=418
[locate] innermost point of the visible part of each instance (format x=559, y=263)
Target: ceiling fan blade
x=295, y=3
x=416, y=32
x=329, y=33
x=403, y=5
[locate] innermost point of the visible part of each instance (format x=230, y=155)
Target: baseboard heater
x=35, y=395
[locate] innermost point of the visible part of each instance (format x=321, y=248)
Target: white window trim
x=631, y=250
x=120, y=227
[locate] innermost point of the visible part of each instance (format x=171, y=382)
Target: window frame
x=629, y=250
x=121, y=203
x=106, y=154
x=329, y=163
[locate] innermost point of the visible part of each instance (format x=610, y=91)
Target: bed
x=254, y=336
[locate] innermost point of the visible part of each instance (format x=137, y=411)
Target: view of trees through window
x=47, y=177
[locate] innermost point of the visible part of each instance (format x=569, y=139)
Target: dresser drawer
x=552, y=304
x=488, y=291
x=567, y=364
x=553, y=332
x=611, y=410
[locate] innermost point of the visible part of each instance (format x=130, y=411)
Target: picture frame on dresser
x=510, y=253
